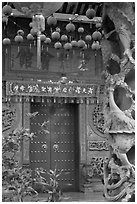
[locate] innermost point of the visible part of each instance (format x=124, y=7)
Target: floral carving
x=119, y=123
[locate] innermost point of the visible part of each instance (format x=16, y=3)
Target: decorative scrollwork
x=97, y=145
x=98, y=118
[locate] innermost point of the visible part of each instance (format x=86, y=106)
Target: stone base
x=95, y=186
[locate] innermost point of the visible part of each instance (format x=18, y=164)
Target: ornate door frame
x=84, y=94
x=82, y=137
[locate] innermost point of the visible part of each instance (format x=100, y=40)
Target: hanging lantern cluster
x=6, y=12
x=61, y=40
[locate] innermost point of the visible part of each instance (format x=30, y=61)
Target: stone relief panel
x=97, y=146
x=94, y=169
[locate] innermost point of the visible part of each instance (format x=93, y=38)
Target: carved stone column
x=26, y=125
x=82, y=141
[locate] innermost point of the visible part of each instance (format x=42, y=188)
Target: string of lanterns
x=61, y=41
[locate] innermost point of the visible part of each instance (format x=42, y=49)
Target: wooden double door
x=56, y=143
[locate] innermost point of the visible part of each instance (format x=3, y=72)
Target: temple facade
x=57, y=74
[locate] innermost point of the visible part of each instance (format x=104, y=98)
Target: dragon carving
x=118, y=47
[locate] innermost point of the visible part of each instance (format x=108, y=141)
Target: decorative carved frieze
x=98, y=117
x=28, y=88
x=97, y=146
x=94, y=169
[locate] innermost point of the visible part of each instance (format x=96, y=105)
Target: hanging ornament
x=20, y=32
x=42, y=37
x=64, y=38
x=98, y=25
x=18, y=39
x=81, y=43
x=70, y=27
x=74, y=44
x=47, y=42
x=67, y=47
x=51, y=21
x=95, y=46
x=6, y=41
x=57, y=46
x=88, y=39
x=7, y=10
x=96, y=35
x=81, y=30
x=30, y=38
x=5, y=19
x=90, y=13
x=55, y=35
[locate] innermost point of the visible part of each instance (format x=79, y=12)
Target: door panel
x=40, y=145
x=62, y=144
x=59, y=143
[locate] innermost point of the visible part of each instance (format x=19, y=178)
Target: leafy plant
x=16, y=180
x=52, y=188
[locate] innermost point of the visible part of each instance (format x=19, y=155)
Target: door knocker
x=55, y=147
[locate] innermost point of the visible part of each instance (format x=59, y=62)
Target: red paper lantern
x=4, y=19
x=95, y=45
x=98, y=25
x=18, y=38
x=88, y=37
x=90, y=13
x=64, y=38
x=47, y=41
x=7, y=10
x=81, y=43
x=81, y=30
x=30, y=37
x=70, y=27
x=57, y=45
x=6, y=41
x=42, y=37
x=55, y=35
x=67, y=46
x=51, y=21
x=96, y=35
x=74, y=43
x=20, y=32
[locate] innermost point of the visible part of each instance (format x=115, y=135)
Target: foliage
x=52, y=187
x=16, y=180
